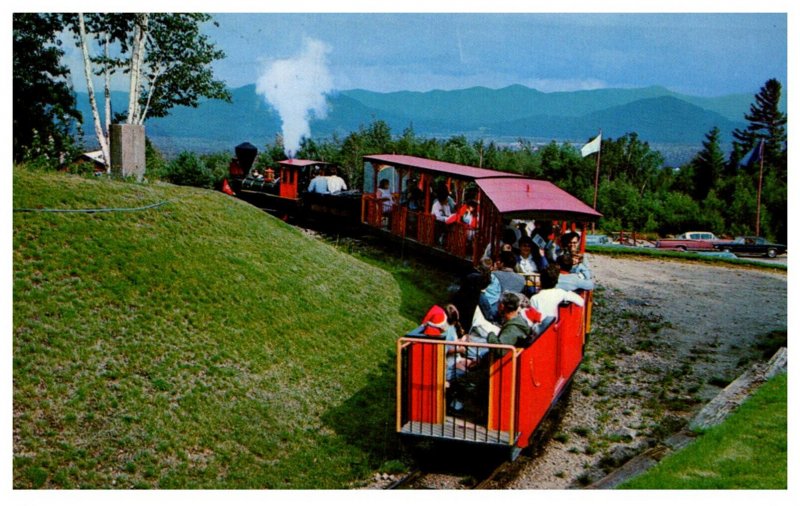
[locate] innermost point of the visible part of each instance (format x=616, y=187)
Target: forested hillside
x=655, y=113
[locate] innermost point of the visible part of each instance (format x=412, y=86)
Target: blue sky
x=695, y=53
x=699, y=54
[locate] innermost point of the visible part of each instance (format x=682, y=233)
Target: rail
x=405, y=223
x=498, y=400
x=446, y=398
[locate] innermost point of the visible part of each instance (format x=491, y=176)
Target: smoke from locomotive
x=296, y=88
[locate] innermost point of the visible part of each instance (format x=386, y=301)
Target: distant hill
x=664, y=119
x=658, y=115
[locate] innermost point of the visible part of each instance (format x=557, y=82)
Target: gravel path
x=667, y=336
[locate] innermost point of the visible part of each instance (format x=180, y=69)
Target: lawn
x=747, y=451
x=199, y=343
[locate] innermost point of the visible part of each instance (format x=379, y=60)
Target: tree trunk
x=87, y=69
x=137, y=55
x=107, y=89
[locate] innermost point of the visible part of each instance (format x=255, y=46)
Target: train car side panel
x=502, y=393
x=537, y=381
x=571, y=341
x=426, y=383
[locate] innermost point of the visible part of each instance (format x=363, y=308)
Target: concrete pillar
x=127, y=151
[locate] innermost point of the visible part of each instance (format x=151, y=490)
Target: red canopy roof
x=533, y=198
x=424, y=164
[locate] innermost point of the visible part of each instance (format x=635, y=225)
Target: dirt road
x=667, y=336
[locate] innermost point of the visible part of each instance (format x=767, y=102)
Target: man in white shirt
x=335, y=182
x=441, y=208
x=549, y=298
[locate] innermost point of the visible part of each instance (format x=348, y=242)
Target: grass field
x=747, y=451
x=197, y=344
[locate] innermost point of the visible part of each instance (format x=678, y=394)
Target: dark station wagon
x=752, y=246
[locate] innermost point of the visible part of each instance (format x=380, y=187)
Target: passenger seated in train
x=550, y=296
x=445, y=322
x=481, y=328
x=335, y=182
x=510, y=280
x=571, y=241
x=467, y=215
x=507, y=243
x=319, y=184
x=529, y=263
x=490, y=295
x=516, y=330
x=441, y=209
x=469, y=292
x=413, y=197
x=544, y=238
x=568, y=280
x=384, y=196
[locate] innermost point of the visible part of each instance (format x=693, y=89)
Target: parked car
x=690, y=241
x=751, y=245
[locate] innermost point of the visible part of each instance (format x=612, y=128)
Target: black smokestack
x=246, y=154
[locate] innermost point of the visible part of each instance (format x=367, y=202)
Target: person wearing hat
x=444, y=321
x=516, y=328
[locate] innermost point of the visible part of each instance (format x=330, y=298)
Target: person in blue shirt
x=568, y=280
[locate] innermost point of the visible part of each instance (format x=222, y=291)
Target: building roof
x=534, y=198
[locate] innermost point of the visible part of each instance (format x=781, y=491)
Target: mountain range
x=664, y=119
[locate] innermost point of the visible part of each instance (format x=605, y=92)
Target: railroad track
x=482, y=479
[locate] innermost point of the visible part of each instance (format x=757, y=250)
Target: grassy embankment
x=198, y=344
x=747, y=451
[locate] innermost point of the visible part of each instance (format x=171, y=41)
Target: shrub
x=188, y=170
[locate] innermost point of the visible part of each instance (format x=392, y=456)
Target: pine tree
x=708, y=165
x=768, y=123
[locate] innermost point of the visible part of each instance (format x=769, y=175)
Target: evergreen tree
x=766, y=122
x=707, y=166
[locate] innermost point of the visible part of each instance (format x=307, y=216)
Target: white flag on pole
x=592, y=146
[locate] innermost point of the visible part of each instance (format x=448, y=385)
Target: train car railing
x=502, y=400
x=422, y=227
x=478, y=406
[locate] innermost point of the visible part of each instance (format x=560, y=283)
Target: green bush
x=188, y=170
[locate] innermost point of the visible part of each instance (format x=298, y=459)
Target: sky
x=706, y=54
x=697, y=54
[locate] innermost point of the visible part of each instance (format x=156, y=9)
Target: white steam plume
x=296, y=88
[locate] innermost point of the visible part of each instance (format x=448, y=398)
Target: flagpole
x=758, y=196
x=597, y=176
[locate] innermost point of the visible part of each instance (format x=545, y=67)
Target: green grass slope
x=198, y=344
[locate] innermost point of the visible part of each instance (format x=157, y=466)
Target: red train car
x=501, y=402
